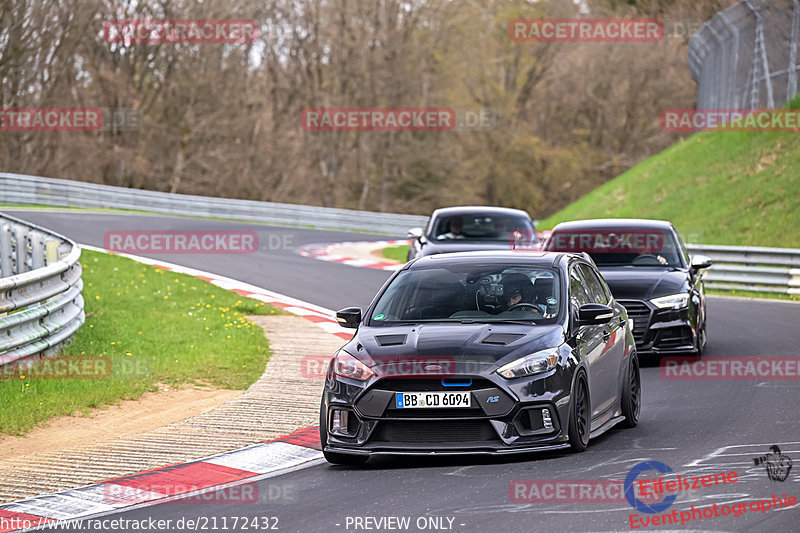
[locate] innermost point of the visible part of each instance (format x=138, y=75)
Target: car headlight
x=347, y=366
x=673, y=301
x=530, y=364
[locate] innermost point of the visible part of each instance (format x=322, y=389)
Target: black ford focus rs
x=481, y=352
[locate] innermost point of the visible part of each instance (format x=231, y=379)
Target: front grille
x=428, y=384
x=674, y=338
x=471, y=412
x=424, y=432
x=640, y=313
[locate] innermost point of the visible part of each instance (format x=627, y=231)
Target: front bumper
x=505, y=417
x=661, y=331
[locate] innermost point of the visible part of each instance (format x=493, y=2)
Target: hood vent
x=502, y=338
x=390, y=340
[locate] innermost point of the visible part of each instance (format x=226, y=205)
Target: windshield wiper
x=416, y=322
x=519, y=322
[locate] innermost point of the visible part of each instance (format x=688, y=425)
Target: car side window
x=429, y=227
x=578, y=294
x=606, y=290
x=682, y=248
x=595, y=287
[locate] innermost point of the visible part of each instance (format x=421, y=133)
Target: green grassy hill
x=716, y=187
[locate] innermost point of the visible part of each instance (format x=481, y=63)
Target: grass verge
x=754, y=294
x=398, y=253
x=716, y=187
x=154, y=327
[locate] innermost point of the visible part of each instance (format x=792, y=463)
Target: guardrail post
x=21, y=243
x=6, y=259
x=37, y=249
x=63, y=250
x=51, y=251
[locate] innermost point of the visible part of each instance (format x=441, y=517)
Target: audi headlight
x=347, y=366
x=673, y=301
x=530, y=364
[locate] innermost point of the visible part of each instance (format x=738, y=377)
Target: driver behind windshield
x=456, y=226
x=517, y=289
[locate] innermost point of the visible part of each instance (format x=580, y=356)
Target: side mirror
x=349, y=317
x=700, y=262
x=415, y=233
x=593, y=314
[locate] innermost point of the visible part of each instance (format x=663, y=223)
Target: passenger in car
x=456, y=226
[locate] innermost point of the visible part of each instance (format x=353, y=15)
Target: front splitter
x=430, y=453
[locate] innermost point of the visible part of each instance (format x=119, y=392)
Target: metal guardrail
x=736, y=268
x=751, y=268
x=19, y=189
x=41, y=305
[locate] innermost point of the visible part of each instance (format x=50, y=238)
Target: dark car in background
x=473, y=228
x=646, y=265
x=481, y=353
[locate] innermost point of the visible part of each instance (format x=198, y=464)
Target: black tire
x=702, y=341
x=632, y=394
x=333, y=457
x=580, y=415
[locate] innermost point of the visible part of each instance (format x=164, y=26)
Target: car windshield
x=470, y=293
x=481, y=227
x=638, y=247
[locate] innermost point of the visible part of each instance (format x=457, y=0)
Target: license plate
x=405, y=400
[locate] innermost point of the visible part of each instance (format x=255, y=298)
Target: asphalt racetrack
x=695, y=427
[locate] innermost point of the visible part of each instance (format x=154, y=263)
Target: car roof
x=602, y=223
x=477, y=210
x=534, y=259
